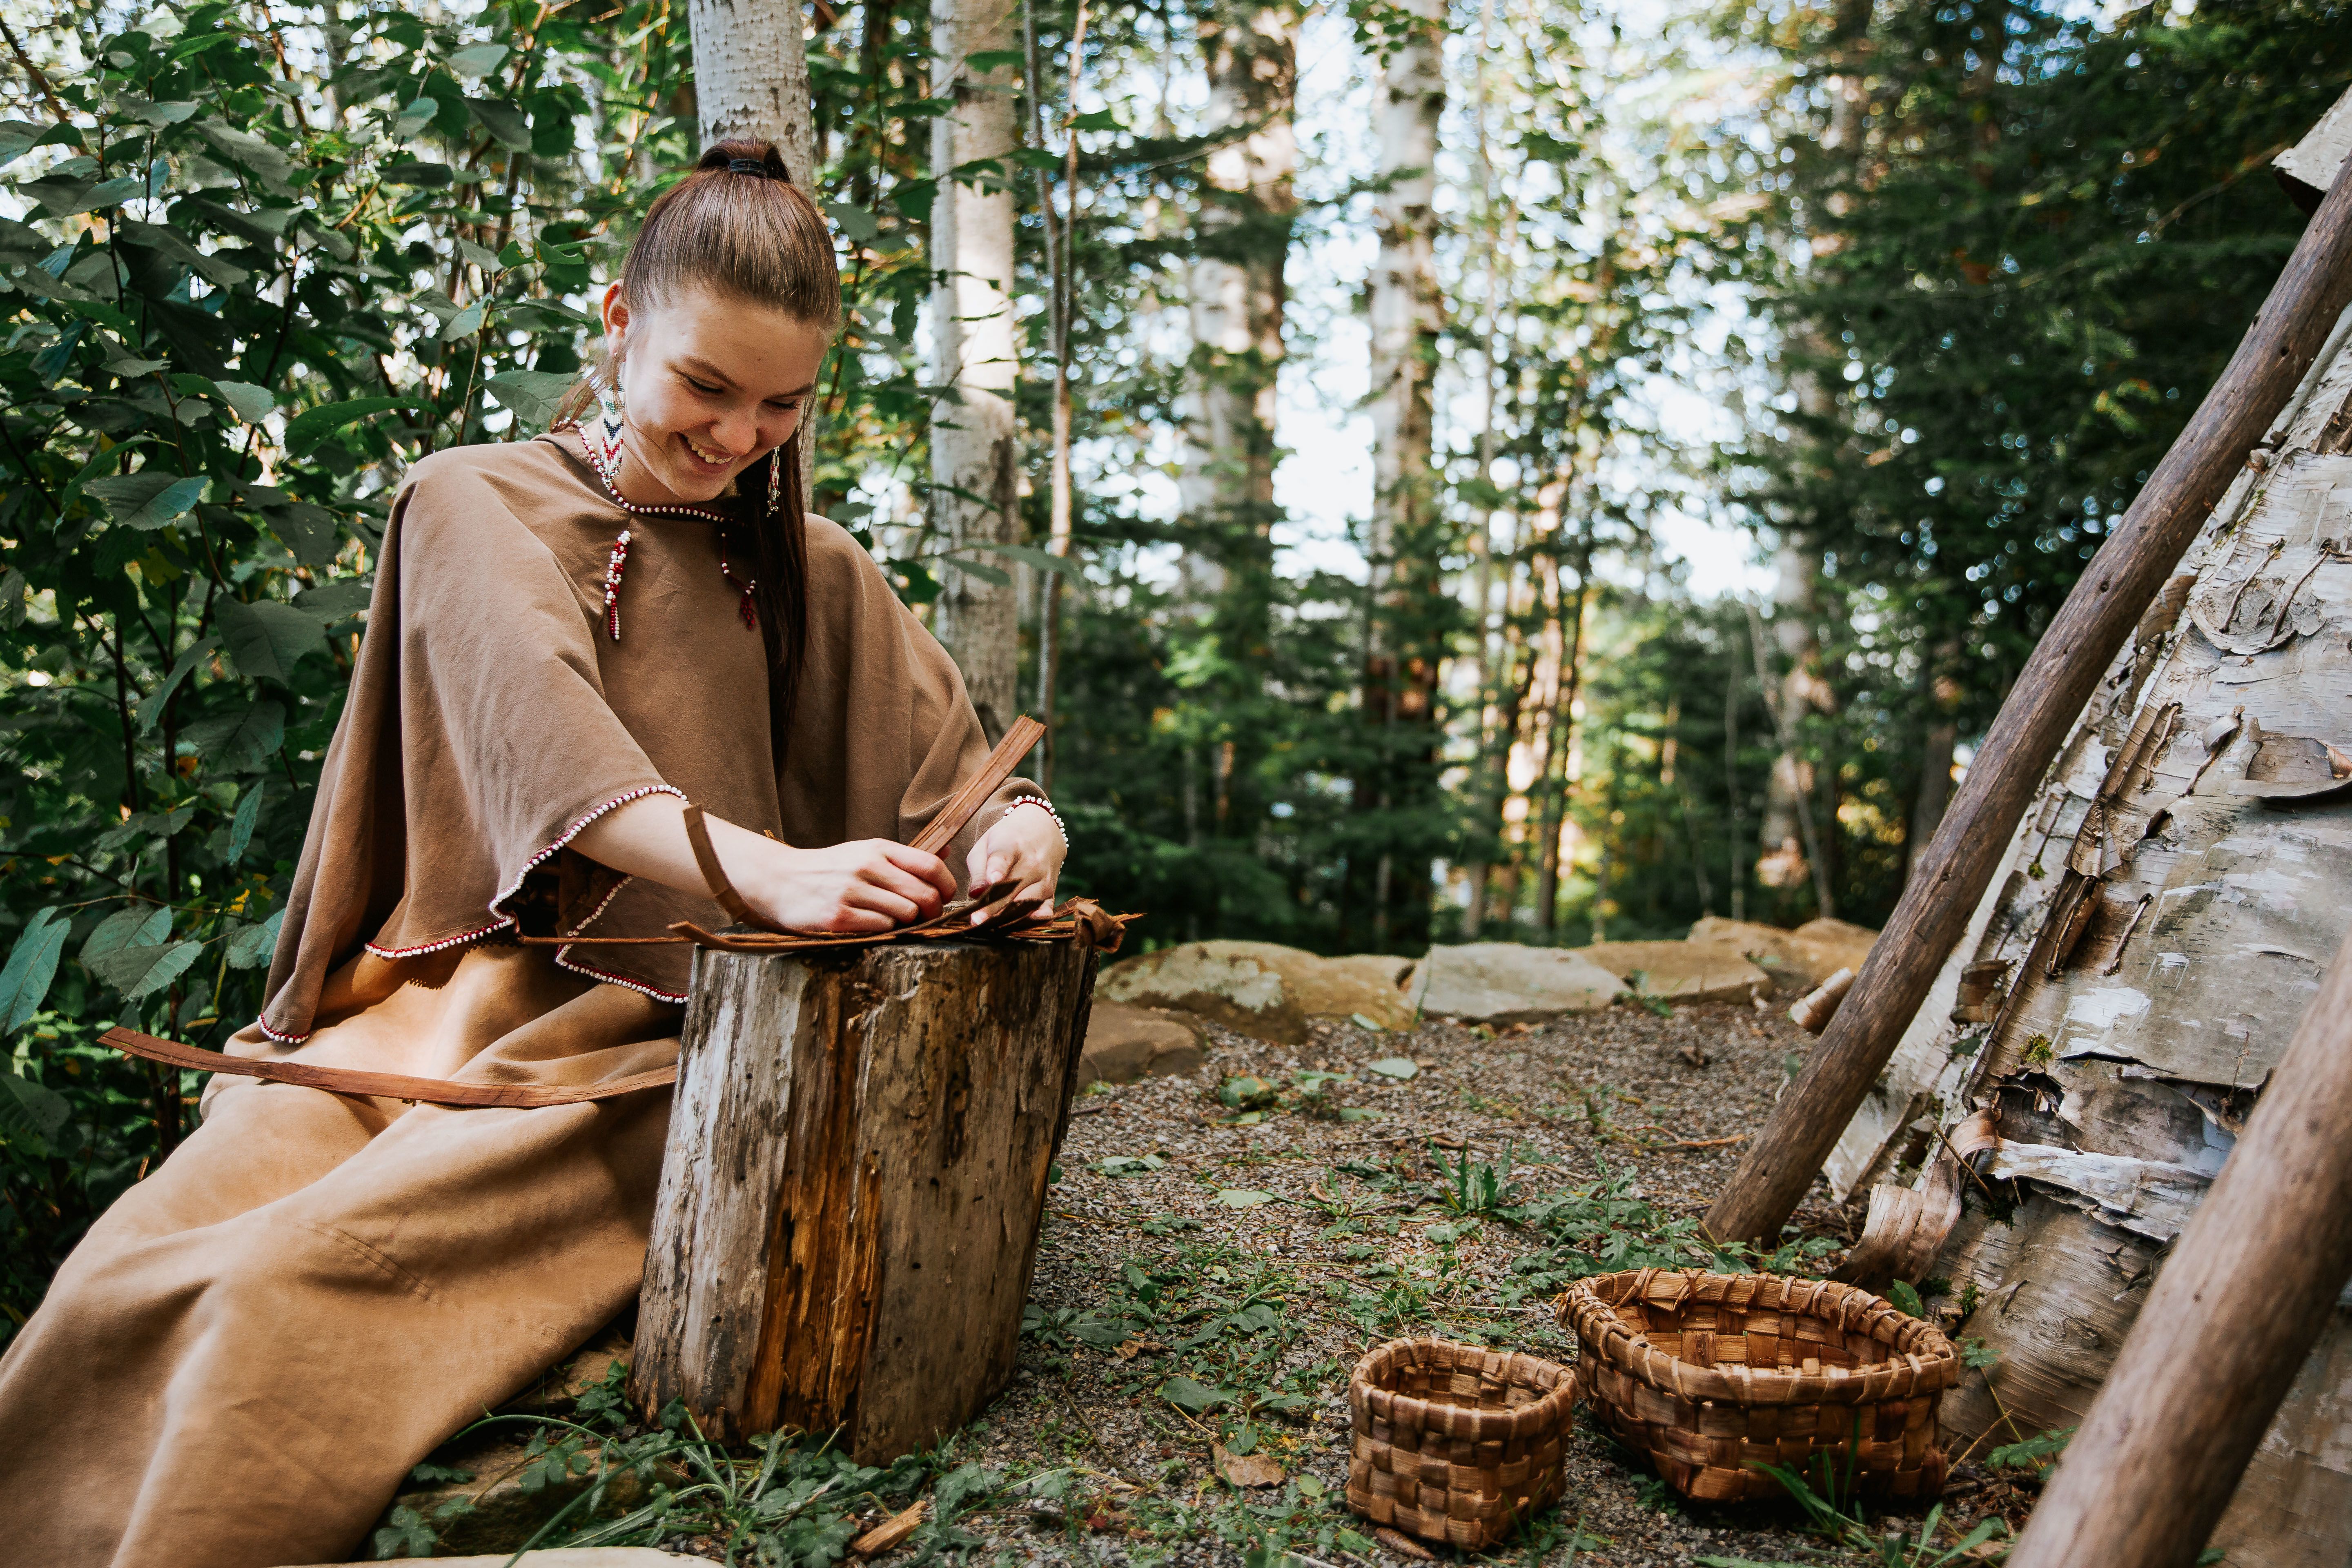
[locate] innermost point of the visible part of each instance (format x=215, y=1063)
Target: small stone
x=1124, y=1044
x=1260, y=988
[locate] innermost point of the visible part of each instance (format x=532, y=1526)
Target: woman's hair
x=737, y=225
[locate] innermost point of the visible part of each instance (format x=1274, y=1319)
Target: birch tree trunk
x=1251, y=51
x=751, y=80
x=975, y=454
x=1407, y=313
x=751, y=77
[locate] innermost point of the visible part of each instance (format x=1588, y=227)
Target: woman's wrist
x=1040, y=803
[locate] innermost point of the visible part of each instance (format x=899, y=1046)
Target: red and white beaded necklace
x=599, y=437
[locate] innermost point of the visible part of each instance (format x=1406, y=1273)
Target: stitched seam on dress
x=606, y=903
x=407, y=1280
x=562, y=961
x=445, y=941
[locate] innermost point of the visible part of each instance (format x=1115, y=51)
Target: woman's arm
x=868, y=885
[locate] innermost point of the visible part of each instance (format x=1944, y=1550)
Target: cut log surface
x=848, y=1212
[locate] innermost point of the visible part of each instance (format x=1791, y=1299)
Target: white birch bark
x=1405, y=308
x=751, y=77
x=975, y=453
x=1251, y=52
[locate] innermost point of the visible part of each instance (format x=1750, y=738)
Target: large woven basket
x=1454, y=1443
x=1711, y=1374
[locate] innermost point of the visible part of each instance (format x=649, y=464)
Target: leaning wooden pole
x=2116, y=588
x=2232, y=1315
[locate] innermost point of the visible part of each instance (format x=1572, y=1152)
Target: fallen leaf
x=1245, y=1469
x=1403, y=1545
x=1129, y=1349
x=1398, y=1067
x=891, y=1530
x=1243, y=1198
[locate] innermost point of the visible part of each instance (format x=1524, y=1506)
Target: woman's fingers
x=883, y=876
x=919, y=863
x=895, y=908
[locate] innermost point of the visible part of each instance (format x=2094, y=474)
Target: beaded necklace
x=600, y=437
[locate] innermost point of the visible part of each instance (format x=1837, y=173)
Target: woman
x=570, y=639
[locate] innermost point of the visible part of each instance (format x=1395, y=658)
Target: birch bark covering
x=1236, y=284
x=2128, y=984
x=857, y=1170
x=1406, y=309
x=975, y=454
x=751, y=77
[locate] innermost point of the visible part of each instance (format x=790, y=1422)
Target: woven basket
x=1454, y=1443
x=1712, y=1374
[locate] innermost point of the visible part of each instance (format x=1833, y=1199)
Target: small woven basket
x=1712, y=1374
x=1454, y=1443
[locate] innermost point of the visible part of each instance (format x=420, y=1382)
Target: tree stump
x=848, y=1211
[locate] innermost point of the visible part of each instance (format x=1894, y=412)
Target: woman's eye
x=707, y=390
x=786, y=405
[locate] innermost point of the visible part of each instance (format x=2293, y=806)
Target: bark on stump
x=848, y=1213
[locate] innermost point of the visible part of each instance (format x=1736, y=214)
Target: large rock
x=1124, y=1044
x=1804, y=957
x=1259, y=987
x=1503, y=982
x=1681, y=971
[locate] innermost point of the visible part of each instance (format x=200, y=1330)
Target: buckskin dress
x=252, y=1347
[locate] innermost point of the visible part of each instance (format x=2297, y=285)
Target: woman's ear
x=616, y=317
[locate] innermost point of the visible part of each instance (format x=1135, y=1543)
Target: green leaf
x=480, y=60
x=232, y=742
x=253, y=404
x=415, y=118
x=250, y=947
x=1244, y=1198
x=533, y=394
x=135, y=924
x=32, y=964
x=250, y=151
x=172, y=244
x=17, y=138
x=151, y=707
x=1186, y=1393
x=307, y=531
x=974, y=569
x=241, y=825
x=915, y=197
x=141, y=971
x=411, y=171
x=29, y=1111
x=14, y=591
x=855, y=222
x=506, y=122
x=1907, y=1299
x=266, y=638
x=310, y=427
x=336, y=601
x=151, y=498
x=1398, y=1067
x=465, y=323
x=985, y=60
x=487, y=261
x=1097, y=120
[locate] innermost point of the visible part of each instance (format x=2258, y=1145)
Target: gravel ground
x=1150, y=1275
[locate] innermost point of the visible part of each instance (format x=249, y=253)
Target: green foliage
x=229, y=327
x=2034, y=1455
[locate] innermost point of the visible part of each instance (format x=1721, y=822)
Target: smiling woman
x=514, y=758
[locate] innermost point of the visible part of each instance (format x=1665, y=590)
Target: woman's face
x=709, y=384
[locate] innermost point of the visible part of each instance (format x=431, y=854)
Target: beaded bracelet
x=1042, y=803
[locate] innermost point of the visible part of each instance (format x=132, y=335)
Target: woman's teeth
x=716, y=460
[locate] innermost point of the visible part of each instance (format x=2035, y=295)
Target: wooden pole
x=2249, y=1286
x=2122, y=580
x=849, y=1205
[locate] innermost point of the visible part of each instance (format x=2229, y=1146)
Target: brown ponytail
x=737, y=224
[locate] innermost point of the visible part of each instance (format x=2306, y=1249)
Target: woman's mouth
x=709, y=461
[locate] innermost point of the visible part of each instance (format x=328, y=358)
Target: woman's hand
x=1021, y=854
x=867, y=884
x=870, y=885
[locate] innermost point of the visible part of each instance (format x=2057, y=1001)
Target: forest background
x=1322, y=414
